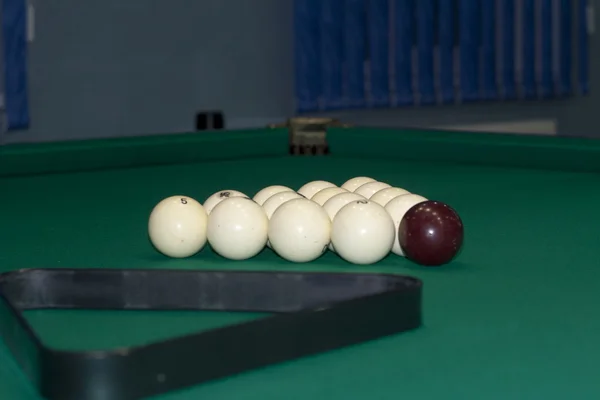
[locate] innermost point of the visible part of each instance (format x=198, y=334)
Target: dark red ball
x=431, y=233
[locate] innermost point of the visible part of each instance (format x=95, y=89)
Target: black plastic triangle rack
x=311, y=313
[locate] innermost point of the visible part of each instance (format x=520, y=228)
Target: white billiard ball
x=311, y=188
x=334, y=204
x=275, y=201
x=262, y=195
x=323, y=195
x=352, y=184
x=278, y=199
x=384, y=196
x=299, y=230
x=363, y=232
x=397, y=207
x=237, y=228
x=177, y=226
x=370, y=188
x=217, y=197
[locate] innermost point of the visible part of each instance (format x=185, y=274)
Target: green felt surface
x=516, y=316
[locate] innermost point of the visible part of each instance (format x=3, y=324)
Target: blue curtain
x=14, y=43
x=393, y=53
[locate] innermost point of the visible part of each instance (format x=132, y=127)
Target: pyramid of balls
x=362, y=221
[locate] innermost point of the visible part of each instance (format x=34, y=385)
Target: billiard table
x=515, y=316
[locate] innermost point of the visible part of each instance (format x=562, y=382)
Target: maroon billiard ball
x=431, y=233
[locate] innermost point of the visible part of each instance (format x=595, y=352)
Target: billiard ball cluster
x=362, y=221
